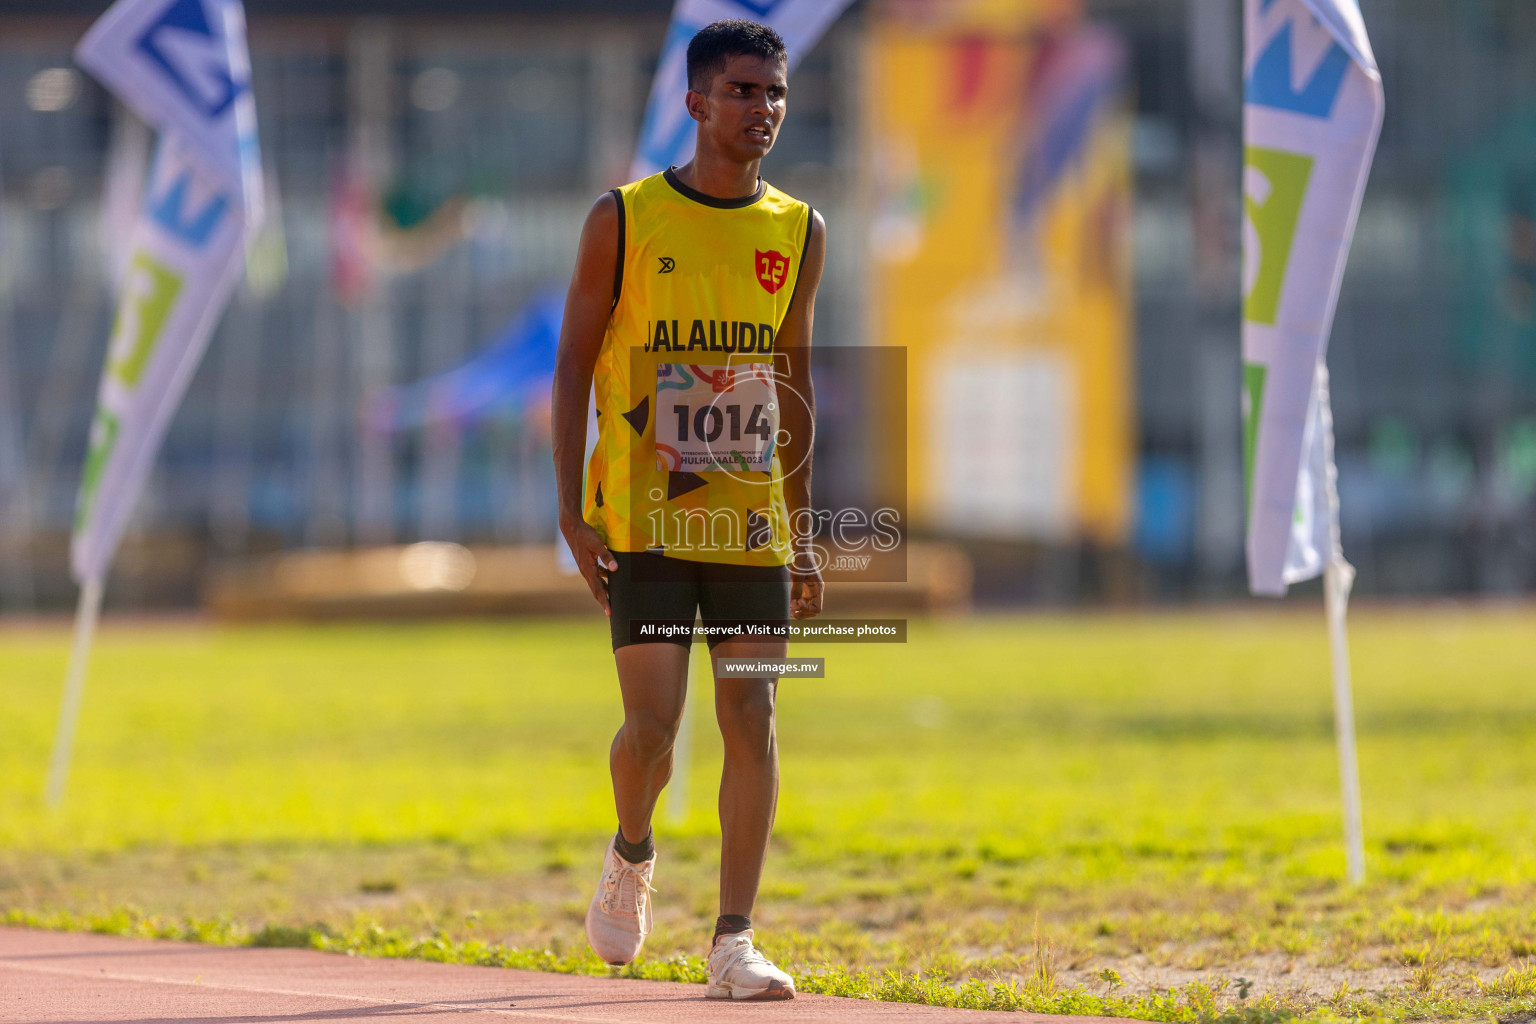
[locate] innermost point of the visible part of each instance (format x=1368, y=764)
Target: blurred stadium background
x=433, y=163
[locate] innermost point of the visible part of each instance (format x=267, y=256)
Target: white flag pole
x=86, y=616
x=1338, y=580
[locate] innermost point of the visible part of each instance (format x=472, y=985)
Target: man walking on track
x=690, y=312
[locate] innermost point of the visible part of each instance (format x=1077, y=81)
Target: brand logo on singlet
x=772, y=269
x=667, y=266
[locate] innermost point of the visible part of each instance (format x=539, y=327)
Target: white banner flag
x=183, y=67
x=1312, y=114
x=668, y=135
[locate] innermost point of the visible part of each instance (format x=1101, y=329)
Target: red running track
x=67, y=978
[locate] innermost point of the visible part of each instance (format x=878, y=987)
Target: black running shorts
x=649, y=588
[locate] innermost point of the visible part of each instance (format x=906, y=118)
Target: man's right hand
x=592, y=557
x=588, y=305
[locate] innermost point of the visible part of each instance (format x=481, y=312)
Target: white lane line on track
x=370, y=1000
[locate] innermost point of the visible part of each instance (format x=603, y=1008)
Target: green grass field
x=1127, y=814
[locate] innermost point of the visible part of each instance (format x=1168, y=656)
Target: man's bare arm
x=588, y=305
x=797, y=415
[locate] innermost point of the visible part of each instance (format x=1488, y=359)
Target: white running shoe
x=738, y=971
x=619, y=918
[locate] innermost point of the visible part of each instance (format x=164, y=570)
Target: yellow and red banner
x=998, y=159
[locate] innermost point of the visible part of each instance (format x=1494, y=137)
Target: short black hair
x=718, y=42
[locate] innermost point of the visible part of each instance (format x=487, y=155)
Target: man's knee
x=745, y=709
x=649, y=733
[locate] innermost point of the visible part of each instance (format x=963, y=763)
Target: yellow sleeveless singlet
x=687, y=460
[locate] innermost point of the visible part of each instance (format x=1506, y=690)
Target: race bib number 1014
x=715, y=417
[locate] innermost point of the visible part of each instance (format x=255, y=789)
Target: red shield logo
x=772, y=269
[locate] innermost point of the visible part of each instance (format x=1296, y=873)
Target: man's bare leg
x=749, y=783
x=654, y=682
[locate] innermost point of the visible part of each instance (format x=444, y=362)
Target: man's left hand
x=805, y=592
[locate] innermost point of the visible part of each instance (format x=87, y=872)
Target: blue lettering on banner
x=171, y=213
x=1271, y=86
x=183, y=31
x=761, y=8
